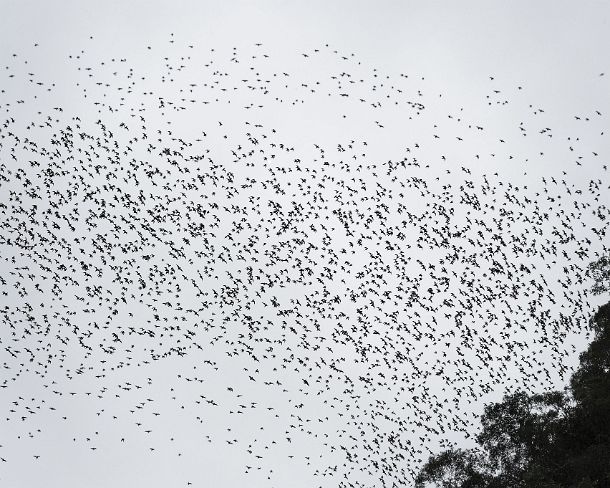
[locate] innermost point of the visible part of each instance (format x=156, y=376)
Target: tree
x=549, y=440
x=589, y=433
x=599, y=271
x=452, y=468
x=518, y=431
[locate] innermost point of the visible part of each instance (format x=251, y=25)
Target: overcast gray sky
x=140, y=343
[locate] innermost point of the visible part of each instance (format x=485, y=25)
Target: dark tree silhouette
x=456, y=467
x=599, y=271
x=549, y=440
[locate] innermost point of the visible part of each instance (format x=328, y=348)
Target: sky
x=289, y=243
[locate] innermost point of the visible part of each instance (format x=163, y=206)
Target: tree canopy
x=550, y=440
x=599, y=271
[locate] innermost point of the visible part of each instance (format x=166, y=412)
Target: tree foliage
x=599, y=271
x=549, y=440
